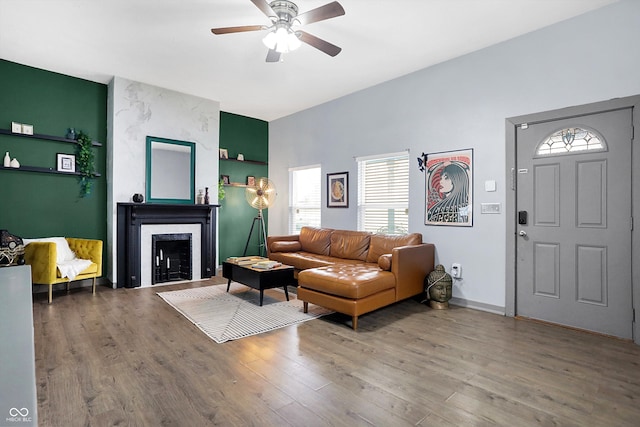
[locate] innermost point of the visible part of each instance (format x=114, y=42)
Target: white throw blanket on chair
x=73, y=267
x=68, y=264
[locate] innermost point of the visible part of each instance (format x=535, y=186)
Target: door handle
x=523, y=233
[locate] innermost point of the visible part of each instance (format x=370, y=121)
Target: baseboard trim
x=490, y=308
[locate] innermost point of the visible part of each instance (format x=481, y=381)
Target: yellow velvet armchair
x=42, y=256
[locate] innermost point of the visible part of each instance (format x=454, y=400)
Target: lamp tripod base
x=262, y=236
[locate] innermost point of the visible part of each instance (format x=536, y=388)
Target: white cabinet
x=18, y=402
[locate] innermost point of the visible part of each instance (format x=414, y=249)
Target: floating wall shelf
x=46, y=137
x=43, y=170
x=255, y=162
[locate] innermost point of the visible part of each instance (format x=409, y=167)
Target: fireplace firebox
x=171, y=257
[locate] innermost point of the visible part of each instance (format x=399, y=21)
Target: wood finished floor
x=126, y=358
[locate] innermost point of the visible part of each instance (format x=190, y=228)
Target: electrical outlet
x=456, y=270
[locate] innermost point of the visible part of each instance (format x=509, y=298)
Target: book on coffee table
x=266, y=265
x=245, y=260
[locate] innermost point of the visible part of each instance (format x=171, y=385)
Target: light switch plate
x=490, y=185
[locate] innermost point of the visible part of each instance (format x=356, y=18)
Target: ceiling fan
x=282, y=38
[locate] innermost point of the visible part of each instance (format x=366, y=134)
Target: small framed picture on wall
x=66, y=163
x=225, y=179
x=338, y=190
x=251, y=181
x=224, y=154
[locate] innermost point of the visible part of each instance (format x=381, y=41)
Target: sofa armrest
x=87, y=249
x=41, y=256
x=288, y=238
x=410, y=265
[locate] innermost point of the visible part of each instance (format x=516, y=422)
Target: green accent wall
x=250, y=137
x=36, y=204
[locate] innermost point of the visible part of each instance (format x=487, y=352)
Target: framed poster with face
x=449, y=188
x=338, y=190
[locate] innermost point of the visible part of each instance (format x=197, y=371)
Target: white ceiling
x=168, y=43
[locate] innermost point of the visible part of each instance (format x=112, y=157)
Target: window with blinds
x=304, y=198
x=383, y=193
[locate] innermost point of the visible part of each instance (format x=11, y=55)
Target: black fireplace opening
x=171, y=257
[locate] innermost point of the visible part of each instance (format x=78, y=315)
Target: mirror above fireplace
x=170, y=171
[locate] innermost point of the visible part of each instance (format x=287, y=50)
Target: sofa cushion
x=383, y=244
x=350, y=244
x=347, y=280
x=384, y=262
x=302, y=260
x=315, y=240
x=285, y=246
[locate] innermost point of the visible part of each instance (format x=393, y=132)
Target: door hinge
x=631, y=223
x=634, y=315
x=524, y=126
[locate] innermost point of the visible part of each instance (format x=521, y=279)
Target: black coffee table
x=260, y=279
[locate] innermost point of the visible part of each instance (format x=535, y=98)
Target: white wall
x=462, y=103
x=137, y=110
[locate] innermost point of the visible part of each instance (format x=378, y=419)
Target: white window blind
x=383, y=193
x=304, y=198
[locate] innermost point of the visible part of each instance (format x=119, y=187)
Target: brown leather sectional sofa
x=354, y=272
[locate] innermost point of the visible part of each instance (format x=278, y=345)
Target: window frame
x=383, y=201
x=292, y=193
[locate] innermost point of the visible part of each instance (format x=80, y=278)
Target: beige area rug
x=237, y=314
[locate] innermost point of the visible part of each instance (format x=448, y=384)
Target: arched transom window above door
x=571, y=141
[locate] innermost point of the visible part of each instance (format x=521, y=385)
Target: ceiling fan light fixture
x=282, y=40
x=270, y=40
x=293, y=41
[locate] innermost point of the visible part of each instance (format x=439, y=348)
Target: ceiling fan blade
x=323, y=45
x=273, y=56
x=264, y=7
x=330, y=10
x=243, y=28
